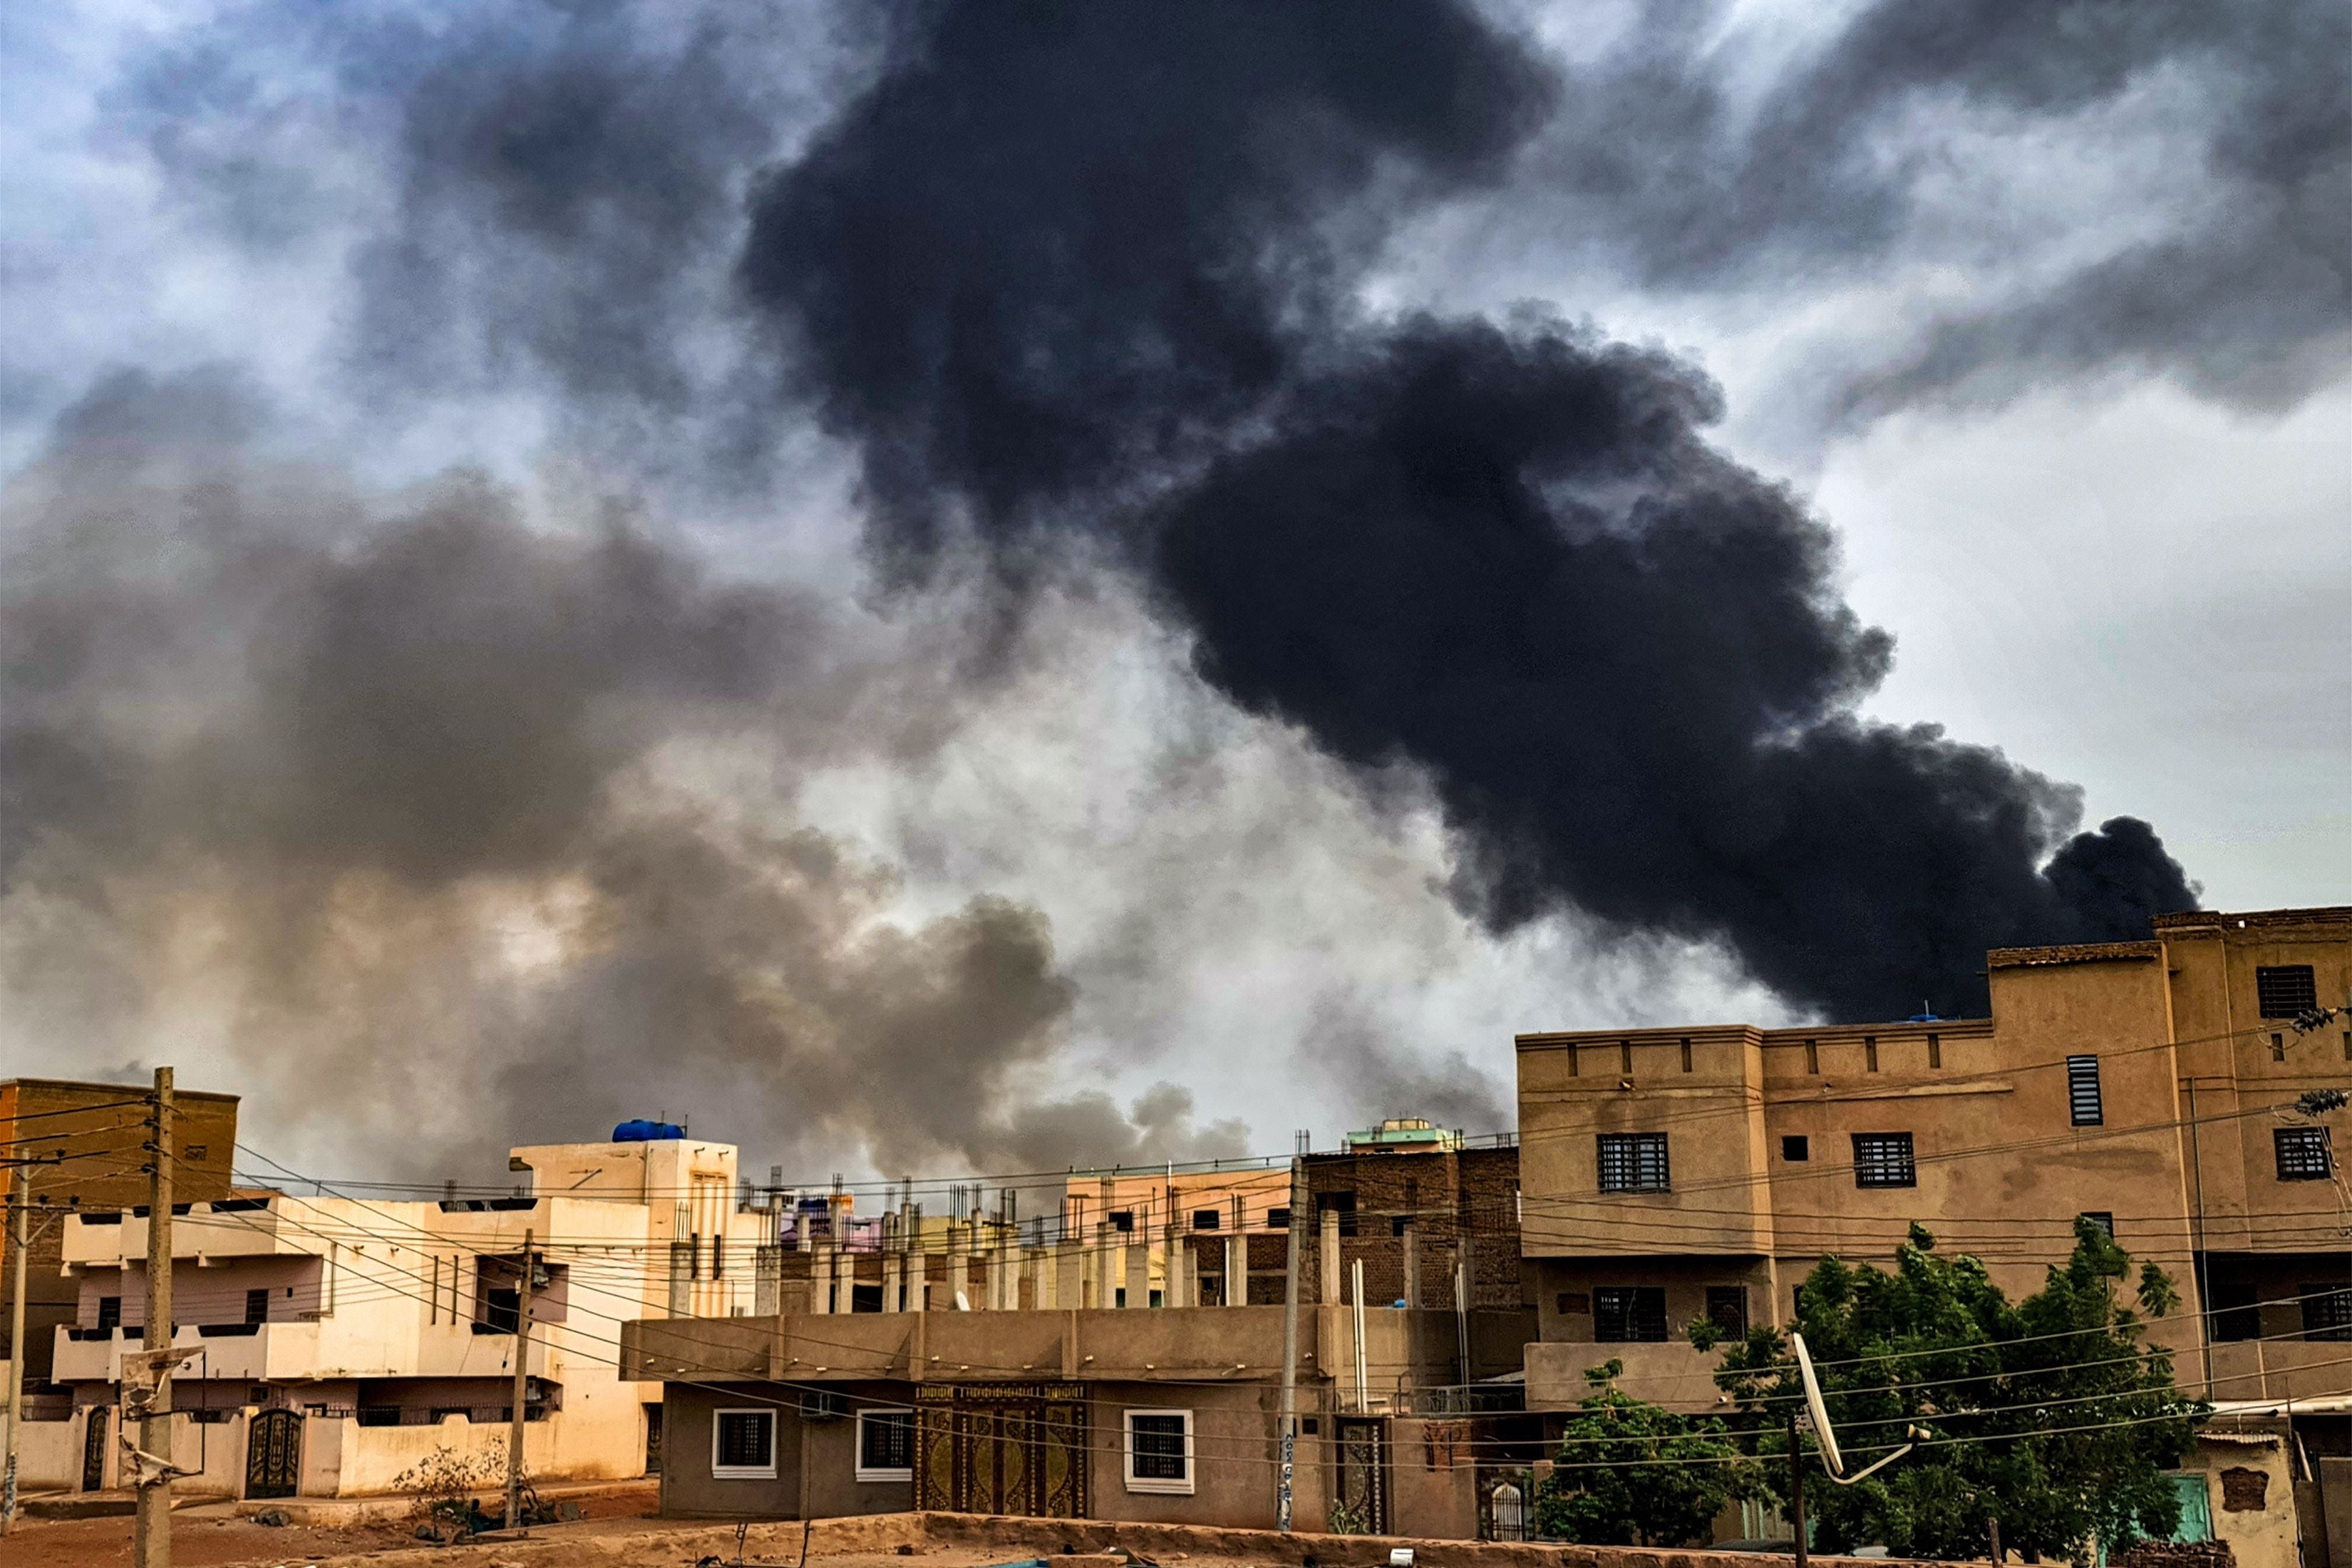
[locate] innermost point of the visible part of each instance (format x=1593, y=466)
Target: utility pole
x=521, y=1385
x=1797, y=1493
x=152, y=1532
x=18, y=1241
x=1290, y=1336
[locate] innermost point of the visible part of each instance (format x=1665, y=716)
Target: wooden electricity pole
x=152, y=1524
x=1797, y=1493
x=521, y=1386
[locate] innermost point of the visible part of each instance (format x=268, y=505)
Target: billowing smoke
x=1089, y=272
x=423, y=810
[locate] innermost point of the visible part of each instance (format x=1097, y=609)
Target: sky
x=939, y=599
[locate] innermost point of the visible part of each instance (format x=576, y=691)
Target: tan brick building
x=1673, y=1175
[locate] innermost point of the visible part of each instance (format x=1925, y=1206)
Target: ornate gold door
x=991, y=1449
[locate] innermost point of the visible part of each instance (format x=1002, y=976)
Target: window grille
x=886, y=1445
x=2303, y=1153
x=1727, y=1309
x=1633, y=1162
x=1883, y=1160
x=1160, y=1451
x=743, y=1443
x=2102, y=1219
x=2327, y=1311
x=1629, y=1314
x=2285, y=991
x=2082, y=1091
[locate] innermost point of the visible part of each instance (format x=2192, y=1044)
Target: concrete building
x=1057, y=1388
x=341, y=1339
x=1699, y=1173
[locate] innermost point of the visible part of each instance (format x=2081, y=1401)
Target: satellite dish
x=963, y=1304
x=1831, y=1460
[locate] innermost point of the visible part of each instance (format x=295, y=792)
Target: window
x=2082, y=1091
x=256, y=1306
x=1398, y=1224
x=2303, y=1153
x=2327, y=1311
x=1625, y=1056
x=110, y=1313
x=743, y=1444
x=1935, y=1050
x=1727, y=1309
x=1204, y=1219
x=1813, y=1057
x=1686, y=1054
x=1123, y=1221
x=2102, y=1219
x=1159, y=1451
x=886, y=1445
x=1796, y=1146
x=1626, y=1314
x=2285, y=991
x=2278, y=1048
x=501, y=1312
x=379, y=1415
x=2236, y=1314
x=1576, y=1302
x=1883, y=1160
x=1341, y=1203
x=1633, y=1162
x=1277, y=1219
x=1870, y=1053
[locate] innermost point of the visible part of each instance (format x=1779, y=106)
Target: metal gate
x=1363, y=1470
x=983, y=1449
x=273, y=1454
x=93, y=1448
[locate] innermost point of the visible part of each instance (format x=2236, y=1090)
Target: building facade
x=339, y=1340
x=2158, y=1087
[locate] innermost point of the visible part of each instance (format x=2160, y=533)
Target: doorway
x=93, y=1448
x=273, y=1454
x=1362, y=1443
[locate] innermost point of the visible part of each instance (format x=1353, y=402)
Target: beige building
x=1699, y=1173
x=339, y=1340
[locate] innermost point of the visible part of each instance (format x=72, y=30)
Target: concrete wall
x=2263, y=1537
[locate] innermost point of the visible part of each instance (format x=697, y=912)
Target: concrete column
x=1411, y=1264
x=1139, y=1273
x=1237, y=1269
x=1105, y=1268
x=821, y=1280
x=844, y=1279
x=958, y=1268
x=1329, y=1249
x=1069, y=1276
x=1000, y=1276
x=894, y=1279
x=1178, y=1290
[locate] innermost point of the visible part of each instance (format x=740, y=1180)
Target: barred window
x=886, y=1445
x=2104, y=1220
x=2285, y=991
x=1883, y=1160
x=2082, y=1091
x=1205, y=1219
x=1629, y=1314
x=743, y=1443
x=2303, y=1153
x=1159, y=1451
x=2327, y=1311
x=1633, y=1162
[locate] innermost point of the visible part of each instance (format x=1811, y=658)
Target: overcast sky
x=2050, y=329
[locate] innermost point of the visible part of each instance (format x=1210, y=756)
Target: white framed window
x=1159, y=1451
x=885, y=1444
x=743, y=1444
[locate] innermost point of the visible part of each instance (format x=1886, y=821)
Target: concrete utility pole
x=521, y=1385
x=152, y=1525
x=1797, y=1493
x=1290, y=1336
x=18, y=1241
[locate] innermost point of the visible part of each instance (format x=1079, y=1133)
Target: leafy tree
x=2051, y=1413
x=1638, y=1474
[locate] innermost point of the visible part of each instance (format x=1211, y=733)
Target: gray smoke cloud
x=1691, y=156
x=430, y=807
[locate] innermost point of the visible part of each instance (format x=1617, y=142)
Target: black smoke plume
x=1088, y=270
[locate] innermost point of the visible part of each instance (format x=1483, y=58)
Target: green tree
x=2051, y=1414
x=1637, y=1474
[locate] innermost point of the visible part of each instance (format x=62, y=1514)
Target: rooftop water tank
x=640, y=1130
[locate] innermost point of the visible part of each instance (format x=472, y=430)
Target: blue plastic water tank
x=640, y=1130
